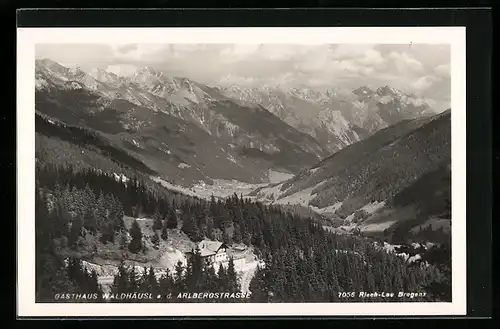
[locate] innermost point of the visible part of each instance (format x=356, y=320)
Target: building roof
x=211, y=245
x=209, y=248
x=206, y=252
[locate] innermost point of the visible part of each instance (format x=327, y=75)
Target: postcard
x=255, y=171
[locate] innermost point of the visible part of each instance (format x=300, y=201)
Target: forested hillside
x=303, y=262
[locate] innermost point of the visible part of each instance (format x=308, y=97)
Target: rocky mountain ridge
x=177, y=127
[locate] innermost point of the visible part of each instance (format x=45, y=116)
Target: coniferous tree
x=157, y=224
x=232, y=277
x=155, y=240
x=89, y=221
x=123, y=240
x=121, y=280
x=171, y=219
x=237, y=237
x=164, y=232
x=258, y=286
x=107, y=232
x=210, y=280
x=213, y=210
x=195, y=273
x=166, y=285
x=134, y=282
x=75, y=232
x=94, y=285
x=148, y=282
x=100, y=211
x=209, y=228
x=179, y=279
x=222, y=278
x=136, y=243
x=189, y=226
x=152, y=282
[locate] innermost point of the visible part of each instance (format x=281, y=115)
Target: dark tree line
x=83, y=139
x=135, y=196
x=306, y=263
x=198, y=276
x=54, y=274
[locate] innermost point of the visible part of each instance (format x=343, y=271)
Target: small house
x=240, y=248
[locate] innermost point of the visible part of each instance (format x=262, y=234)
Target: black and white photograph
x=244, y=173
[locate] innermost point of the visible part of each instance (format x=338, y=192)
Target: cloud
x=419, y=68
x=430, y=55
x=372, y=57
x=72, y=55
x=359, y=58
x=151, y=53
x=340, y=62
x=238, y=80
x=260, y=52
x=350, y=51
x=239, y=51
x=122, y=69
x=443, y=70
x=405, y=63
x=424, y=83
x=125, y=48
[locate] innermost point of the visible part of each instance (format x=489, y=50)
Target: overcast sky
x=418, y=68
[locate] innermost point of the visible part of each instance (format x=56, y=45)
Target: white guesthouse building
x=216, y=253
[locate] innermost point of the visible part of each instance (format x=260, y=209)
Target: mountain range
x=187, y=131
x=336, y=117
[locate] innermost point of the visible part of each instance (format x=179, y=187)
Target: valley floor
x=220, y=188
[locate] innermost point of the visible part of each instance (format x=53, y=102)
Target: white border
x=28, y=37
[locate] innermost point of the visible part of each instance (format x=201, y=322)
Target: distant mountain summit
x=363, y=92
x=335, y=117
x=106, y=77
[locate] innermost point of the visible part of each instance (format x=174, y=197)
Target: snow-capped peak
x=147, y=76
x=148, y=70
x=386, y=90
x=76, y=71
x=51, y=66
x=103, y=76
x=363, y=91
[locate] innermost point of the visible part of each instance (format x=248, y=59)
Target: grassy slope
x=422, y=203
x=405, y=165
x=387, y=170
x=348, y=157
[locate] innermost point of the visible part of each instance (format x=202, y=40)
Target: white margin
x=28, y=37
